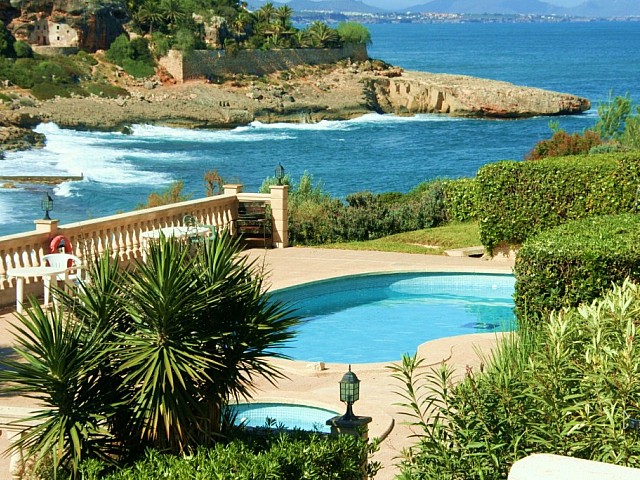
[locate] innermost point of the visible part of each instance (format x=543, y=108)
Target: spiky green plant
x=148, y=356
x=57, y=360
x=567, y=387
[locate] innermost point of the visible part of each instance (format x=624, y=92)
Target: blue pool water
x=377, y=318
x=287, y=415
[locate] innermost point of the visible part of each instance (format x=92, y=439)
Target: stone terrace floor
x=306, y=384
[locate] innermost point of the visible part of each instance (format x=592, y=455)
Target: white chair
x=72, y=263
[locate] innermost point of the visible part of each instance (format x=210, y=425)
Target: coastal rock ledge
x=459, y=95
x=338, y=92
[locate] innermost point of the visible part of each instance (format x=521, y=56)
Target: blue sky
x=394, y=4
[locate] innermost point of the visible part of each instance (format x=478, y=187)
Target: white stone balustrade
x=120, y=234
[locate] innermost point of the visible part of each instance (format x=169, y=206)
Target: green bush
x=562, y=144
x=315, y=218
x=147, y=356
x=568, y=388
x=6, y=42
x=49, y=90
x=138, y=69
x=461, y=199
x=23, y=49
x=576, y=262
x=353, y=32
x=520, y=199
x=134, y=56
x=282, y=456
x=105, y=90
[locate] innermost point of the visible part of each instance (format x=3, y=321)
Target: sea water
x=375, y=152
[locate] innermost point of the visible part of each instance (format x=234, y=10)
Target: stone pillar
x=279, y=215
x=50, y=227
x=357, y=426
x=232, y=188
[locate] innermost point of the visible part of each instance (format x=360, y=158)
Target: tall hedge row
x=520, y=199
x=575, y=263
x=461, y=199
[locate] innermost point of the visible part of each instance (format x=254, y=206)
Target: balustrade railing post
x=279, y=215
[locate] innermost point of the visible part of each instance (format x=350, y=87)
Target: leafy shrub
x=48, y=90
x=461, y=199
x=576, y=262
x=138, y=69
x=22, y=49
x=567, y=388
x=562, y=144
x=353, y=32
x=87, y=58
x=51, y=72
x=520, y=199
x=160, y=45
x=171, y=194
x=145, y=357
x=6, y=42
x=19, y=72
x=120, y=50
x=105, y=90
x=315, y=222
x=612, y=116
x=134, y=56
x=282, y=456
x=187, y=41
x=609, y=147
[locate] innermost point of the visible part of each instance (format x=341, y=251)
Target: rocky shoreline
x=338, y=92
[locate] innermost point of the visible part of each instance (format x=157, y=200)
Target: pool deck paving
x=316, y=384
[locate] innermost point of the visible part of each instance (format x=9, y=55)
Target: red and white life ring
x=60, y=242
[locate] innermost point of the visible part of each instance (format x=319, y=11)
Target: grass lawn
x=432, y=241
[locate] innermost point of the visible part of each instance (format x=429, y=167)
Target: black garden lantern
x=349, y=392
x=46, y=204
x=279, y=173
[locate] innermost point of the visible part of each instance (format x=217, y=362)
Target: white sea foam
x=69, y=152
x=150, y=132
x=65, y=189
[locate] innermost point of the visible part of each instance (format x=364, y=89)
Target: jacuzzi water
x=377, y=318
x=286, y=415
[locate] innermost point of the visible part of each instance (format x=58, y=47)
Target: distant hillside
x=590, y=8
x=336, y=6
x=489, y=6
x=607, y=8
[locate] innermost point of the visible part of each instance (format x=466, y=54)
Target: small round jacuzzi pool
x=283, y=415
x=378, y=317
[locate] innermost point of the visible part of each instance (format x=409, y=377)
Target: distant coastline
x=436, y=18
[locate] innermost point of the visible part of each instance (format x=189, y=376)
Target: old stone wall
x=218, y=63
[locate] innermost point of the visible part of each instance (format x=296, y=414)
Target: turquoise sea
x=376, y=153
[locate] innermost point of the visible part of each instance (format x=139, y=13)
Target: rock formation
x=82, y=24
x=417, y=92
x=309, y=94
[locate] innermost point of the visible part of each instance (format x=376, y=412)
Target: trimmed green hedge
x=285, y=456
x=575, y=263
x=461, y=199
x=520, y=199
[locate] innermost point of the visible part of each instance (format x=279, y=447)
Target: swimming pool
x=378, y=317
x=286, y=415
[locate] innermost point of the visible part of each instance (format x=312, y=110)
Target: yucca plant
x=147, y=356
x=57, y=362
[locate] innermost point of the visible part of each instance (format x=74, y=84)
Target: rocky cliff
x=88, y=25
x=309, y=94
x=417, y=92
